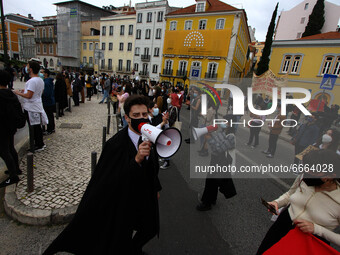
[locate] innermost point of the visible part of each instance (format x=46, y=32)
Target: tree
x=263, y=65
x=316, y=19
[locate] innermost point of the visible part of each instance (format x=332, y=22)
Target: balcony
x=211, y=75
x=181, y=73
x=144, y=73
x=45, y=39
x=145, y=58
x=167, y=72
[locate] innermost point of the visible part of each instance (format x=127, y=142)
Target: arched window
x=43, y=33
x=37, y=33
x=50, y=32
x=51, y=62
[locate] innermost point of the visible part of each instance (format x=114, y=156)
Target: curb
x=31, y=216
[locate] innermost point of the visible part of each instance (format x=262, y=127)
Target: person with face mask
x=307, y=135
x=330, y=140
x=312, y=204
x=118, y=213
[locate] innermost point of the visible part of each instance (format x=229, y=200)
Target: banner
x=264, y=83
x=313, y=105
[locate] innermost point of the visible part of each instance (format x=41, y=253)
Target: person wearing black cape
x=118, y=213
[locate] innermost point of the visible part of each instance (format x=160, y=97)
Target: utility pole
x=4, y=37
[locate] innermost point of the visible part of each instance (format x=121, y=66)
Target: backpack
x=16, y=117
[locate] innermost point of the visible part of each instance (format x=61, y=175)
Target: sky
x=259, y=12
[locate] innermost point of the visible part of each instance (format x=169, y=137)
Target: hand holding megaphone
x=143, y=151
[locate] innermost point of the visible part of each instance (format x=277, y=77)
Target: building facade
x=292, y=23
x=70, y=16
x=150, y=30
x=90, y=42
x=26, y=44
x=306, y=60
x=13, y=23
x=206, y=42
x=46, y=42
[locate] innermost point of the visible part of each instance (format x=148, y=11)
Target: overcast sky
x=259, y=12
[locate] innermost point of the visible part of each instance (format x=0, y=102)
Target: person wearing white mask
x=329, y=140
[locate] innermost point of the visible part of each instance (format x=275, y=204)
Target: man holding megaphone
x=118, y=213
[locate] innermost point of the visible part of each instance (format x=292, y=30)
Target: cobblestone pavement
x=63, y=170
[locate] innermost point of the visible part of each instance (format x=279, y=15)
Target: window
x=306, y=6
x=196, y=64
x=102, y=66
x=202, y=24
x=51, y=63
x=156, y=52
x=96, y=46
x=110, y=46
x=286, y=64
x=135, y=66
x=84, y=60
x=154, y=68
x=139, y=17
x=147, y=33
x=336, y=70
x=122, y=28
x=158, y=33
x=298, y=35
x=121, y=46
x=120, y=64
x=103, y=46
x=45, y=49
x=200, y=7
x=84, y=46
x=188, y=25
x=212, y=70
x=182, y=68
x=43, y=33
x=296, y=63
x=146, y=51
x=111, y=30
x=327, y=64
x=128, y=65
x=138, y=34
x=160, y=17
x=38, y=49
x=137, y=51
x=173, y=25
x=219, y=23
x=50, y=32
x=149, y=17
x=302, y=20
x=168, y=67
x=130, y=29
x=109, y=64
x=90, y=46
x=129, y=47
x=90, y=60
x=51, y=49
x=103, y=30
x=37, y=33
x=145, y=69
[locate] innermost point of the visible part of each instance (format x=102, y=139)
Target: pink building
x=291, y=24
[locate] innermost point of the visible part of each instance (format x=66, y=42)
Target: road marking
x=275, y=178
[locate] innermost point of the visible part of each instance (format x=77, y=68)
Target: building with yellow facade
x=306, y=60
x=207, y=41
x=90, y=40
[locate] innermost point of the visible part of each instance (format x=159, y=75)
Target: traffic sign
x=328, y=81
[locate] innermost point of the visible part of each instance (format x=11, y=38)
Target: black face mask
x=136, y=123
x=312, y=181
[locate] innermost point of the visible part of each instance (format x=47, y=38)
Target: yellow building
x=207, y=41
x=306, y=60
x=258, y=51
x=90, y=40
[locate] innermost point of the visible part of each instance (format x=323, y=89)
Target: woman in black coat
x=60, y=93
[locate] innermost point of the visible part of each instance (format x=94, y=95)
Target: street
x=233, y=226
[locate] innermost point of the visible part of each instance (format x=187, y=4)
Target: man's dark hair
x=135, y=100
x=35, y=66
x=5, y=78
x=151, y=104
x=46, y=71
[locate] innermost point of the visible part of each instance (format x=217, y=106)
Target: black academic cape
x=120, y=196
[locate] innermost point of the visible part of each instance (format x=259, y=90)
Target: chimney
x=30, y=16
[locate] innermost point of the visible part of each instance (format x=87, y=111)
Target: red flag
x=299, y=243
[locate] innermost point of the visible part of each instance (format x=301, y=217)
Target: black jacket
x=7, y=99
x=120, y=196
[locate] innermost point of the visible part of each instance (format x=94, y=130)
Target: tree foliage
x=263, y=65
x=316, y=19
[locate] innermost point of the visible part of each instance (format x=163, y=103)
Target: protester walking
x=48, y=101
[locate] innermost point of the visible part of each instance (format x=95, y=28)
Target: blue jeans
x=106, y=95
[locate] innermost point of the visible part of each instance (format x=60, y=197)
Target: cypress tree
x=263, y=65
x=316, y=19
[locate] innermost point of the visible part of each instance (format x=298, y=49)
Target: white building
x=291, y=24
x=149, y=38
x=117, y=39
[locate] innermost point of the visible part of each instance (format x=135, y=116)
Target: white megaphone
x=198, y=132
x=167, y=141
